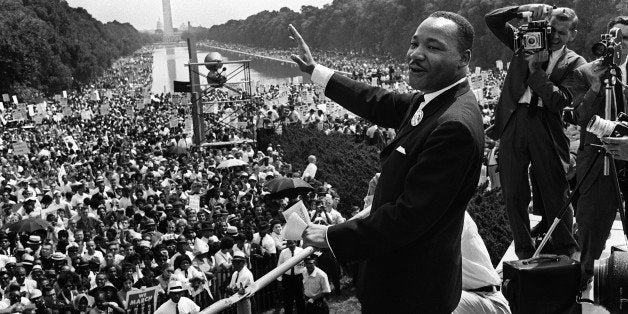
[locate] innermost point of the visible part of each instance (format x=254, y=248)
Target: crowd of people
x=129, y=202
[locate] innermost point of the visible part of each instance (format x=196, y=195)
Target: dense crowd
x=118, y=199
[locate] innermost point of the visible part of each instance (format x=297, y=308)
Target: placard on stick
x=20, y=148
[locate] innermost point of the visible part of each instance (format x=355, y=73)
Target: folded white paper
x=294, y=228
x=299, y=209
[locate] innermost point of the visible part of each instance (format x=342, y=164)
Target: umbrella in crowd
x=230, y=163
x=287, y=187
x=29, y=225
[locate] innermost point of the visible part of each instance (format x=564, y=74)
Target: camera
x=607, y=128
x=609, y=47
x=610, y=282
x=533, y=36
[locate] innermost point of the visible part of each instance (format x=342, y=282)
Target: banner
x=143, y=301
x=20, y=148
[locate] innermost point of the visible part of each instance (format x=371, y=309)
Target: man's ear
x=573, y=35
x=465, y=58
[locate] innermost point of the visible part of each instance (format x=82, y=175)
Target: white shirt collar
x=430, y=96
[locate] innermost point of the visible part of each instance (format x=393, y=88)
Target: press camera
x=532, y=36
x=609, y=47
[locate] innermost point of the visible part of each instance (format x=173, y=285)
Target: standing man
x=292, y=280
x=310, y=169
x=240, y=279
x=177, y=304
x=429, y=173
x=529, y=126
x=598, y=203
x=315, y=287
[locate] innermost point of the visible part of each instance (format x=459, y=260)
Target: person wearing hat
x=177, y=303
x=148, y=227
x=38, y=300
x=13, y=299
x=207, y=231
x=240, y=280
x=182, y=249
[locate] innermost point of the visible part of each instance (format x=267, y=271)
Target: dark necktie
x=176, y=307
x=534, y=100
x=292, y=269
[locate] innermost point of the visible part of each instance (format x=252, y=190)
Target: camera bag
x=544, y=284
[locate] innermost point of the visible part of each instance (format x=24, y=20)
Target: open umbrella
x=287, y=187
x=29, y=225
x=229, y=163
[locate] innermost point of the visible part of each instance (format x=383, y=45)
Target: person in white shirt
x=292, y=280
x=310, y=169
x=315, y=287
x=480, y=282
x=177, y=304
x=241, y=278
x=263, y=239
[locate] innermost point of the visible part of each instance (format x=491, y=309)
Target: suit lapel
x=443, y=100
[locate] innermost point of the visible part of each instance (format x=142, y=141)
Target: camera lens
x=531, y=40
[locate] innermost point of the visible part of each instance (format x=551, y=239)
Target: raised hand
x=304, y=60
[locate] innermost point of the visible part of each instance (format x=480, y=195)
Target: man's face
x=561, y=33
x=175, y=296
x=433, y=56
x=100, y=281
x=20, y=275
x=91, y=247
x=624, y=43
x=79, y=236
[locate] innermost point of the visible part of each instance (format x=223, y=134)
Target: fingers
x=297, y=60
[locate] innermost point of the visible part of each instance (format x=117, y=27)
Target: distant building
x=160, y=26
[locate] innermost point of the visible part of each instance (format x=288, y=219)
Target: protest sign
x=143, y=301
x=67, y=111
x=38, y=118
x=195, y=202
x=104, y=109
x=174, y=122
x=65, y=94
x=42, y=107
x=189, y=125
x=15, y=99
x=6, y=98
x=20, y=148
x=17, y=115
x=63, y=102
x=499, y=64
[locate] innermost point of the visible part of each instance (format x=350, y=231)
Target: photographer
x=528, y=122
x=598, y=201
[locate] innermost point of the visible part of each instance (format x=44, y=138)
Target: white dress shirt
x=185, y=306
x=285, y=255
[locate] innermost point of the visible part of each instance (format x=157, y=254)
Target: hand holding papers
x=297, y=219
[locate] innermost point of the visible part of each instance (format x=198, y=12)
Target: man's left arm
x=450, y=157
x=555, y=97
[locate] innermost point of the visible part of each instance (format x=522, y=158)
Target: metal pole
x=195, y=92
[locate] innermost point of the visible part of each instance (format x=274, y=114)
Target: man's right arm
x=497, y=22
x=584, y=93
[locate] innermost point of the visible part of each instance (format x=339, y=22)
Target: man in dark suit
x=410, y=243
x=529, y=126
x=598, y=203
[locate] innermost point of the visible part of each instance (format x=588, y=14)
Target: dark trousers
x=526, y=144
x=293, y=293
x=597, y=207
x=318, y=307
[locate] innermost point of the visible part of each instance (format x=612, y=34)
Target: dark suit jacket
x=554, y=96
x=587, y=104
x=411, y=240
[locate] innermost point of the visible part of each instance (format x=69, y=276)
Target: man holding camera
x=598, y=203
x=528, y=121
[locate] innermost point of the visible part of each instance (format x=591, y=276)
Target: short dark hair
x=566, y=14
x=622, y=19
x=465, y=29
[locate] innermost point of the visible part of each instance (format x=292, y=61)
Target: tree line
x=48, y=46
x=385, y=26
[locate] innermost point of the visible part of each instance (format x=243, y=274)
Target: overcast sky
x=143, y=14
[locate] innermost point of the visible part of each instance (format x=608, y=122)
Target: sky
x=143, y=14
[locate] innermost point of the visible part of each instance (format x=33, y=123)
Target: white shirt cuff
x=321, y=75
x=327, y=240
